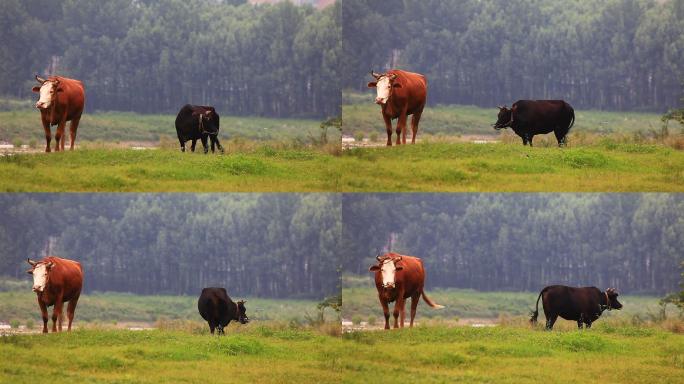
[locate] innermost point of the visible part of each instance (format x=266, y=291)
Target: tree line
x=155, y=56
x=615, y=54
x=522, y=242
x=270, y=245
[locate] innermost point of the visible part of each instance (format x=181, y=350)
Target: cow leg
x=399, y=310
x=414, y=304
x=580, y=323
x=71, y=309
x=529, y=139
x=414, y=126
x=59, y=135
x=204, y=144
x=213, y=143
x=560, y=138
x=220, y=329
x=72, y=132
x=57, y=314
x=48, y=135
x=550, y=321
x=44, y=314
x=588, y=324
x=401, y=128
x=192, y=146
x=388, y=127
x=218, y=144
x=385, y=311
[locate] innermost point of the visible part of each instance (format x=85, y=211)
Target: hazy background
x=269, y=60
x=610, y=55
x=522, y=242
x=256, y=245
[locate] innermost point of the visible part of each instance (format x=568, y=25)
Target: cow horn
x=33, y=263
x=378, y=258
x=40, y=79
x=376, y=75
x=50, y=265
x=392, y=76
x=398, y=258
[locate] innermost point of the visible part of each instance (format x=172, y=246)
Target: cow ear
x=372, y=84
x=35, y=89
x=374, y=268
x=60, y=89
x=396, y=85
x=30, y=271
x=49, y=265
x=398, y=267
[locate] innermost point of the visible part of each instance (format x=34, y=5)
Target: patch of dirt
x=349, y=326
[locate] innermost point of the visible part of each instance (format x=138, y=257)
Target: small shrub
x=356, y=320
x=17, y=143
x=371, y=320
x=29, y=324
x=14, y=324
x=358, y=136
x=374, y=136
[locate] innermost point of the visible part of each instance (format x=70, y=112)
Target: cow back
x=411, y=95
x=65, y=280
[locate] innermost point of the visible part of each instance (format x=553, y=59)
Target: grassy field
x=275, y=354
x=110, y=308
x=263, y=168
x=440, y=354
x=22, y=125
x=361, y=115
x=607, y=166
x=362, y=303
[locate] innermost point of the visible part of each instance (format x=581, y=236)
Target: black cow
x=584, y=305
x=218, y=309
x=535, y=117
x=198, y=122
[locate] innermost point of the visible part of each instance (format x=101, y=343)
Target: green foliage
x=619, y=55
x=522, y=242
x=273, y=60
x=258, y=245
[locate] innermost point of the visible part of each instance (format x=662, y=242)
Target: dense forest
x=271, y=245
x=615, y=54
x=522, y=242
x=147, y=56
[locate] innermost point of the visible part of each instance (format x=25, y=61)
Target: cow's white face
x=40, y=277
x=47, y=94
x=383, y=89
x=389, y=271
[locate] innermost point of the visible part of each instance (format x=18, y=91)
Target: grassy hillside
x=107, y=308
x=23, y=126
x=360, y=114
x=362, y=302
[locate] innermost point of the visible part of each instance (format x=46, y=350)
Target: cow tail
x=430, y=302
x=572, y=116
x=535, y=313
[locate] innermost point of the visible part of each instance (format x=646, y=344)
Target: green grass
x=268, y=354
x=105, y=308
x=248, y=354
x=265, y=168
x=360, y=114
x=513, y=355
x=24, y=124
x=465, y=303
x=607, y=166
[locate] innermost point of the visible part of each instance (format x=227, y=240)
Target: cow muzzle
x=41, y=105
x=380, y=101
x=37, y=289
x=389, y=285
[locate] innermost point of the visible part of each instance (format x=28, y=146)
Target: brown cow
x=400, y=94
x=61, y=100
x=398, y=277
x=56, y=281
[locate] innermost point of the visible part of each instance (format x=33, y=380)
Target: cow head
x=504, y=118
x=384, y=84
x=40, y=271
x=208, y=121
x=611, y=296
x=242, y=312
x=47, y=91
x=388, y=266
